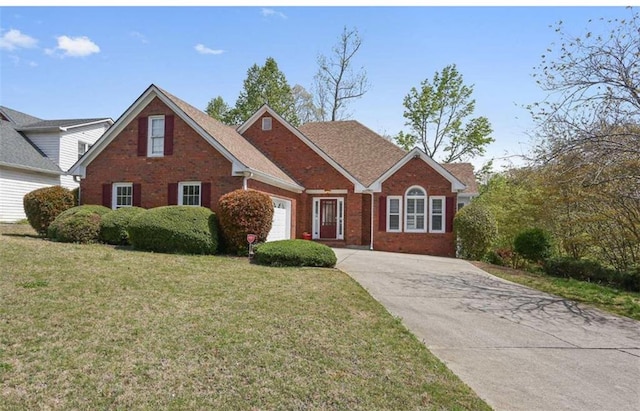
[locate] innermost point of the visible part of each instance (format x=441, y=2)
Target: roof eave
x=28, y=168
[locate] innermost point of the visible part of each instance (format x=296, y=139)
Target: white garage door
x=280, y=226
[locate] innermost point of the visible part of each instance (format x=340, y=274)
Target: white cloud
x=74, y=47
x=202, y=49
x=139, y=36
x=271, y=12
x=14, y=39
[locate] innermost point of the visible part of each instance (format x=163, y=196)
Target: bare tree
x=336, y=83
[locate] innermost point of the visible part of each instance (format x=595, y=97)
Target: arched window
x=415, y=210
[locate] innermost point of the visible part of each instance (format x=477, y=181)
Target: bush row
x=592, y=271
x=295, y=253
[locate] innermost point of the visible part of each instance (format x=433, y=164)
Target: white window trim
x=399, y=229
x=444, y=214
x=189, y=183
x=267, y=123
x=150, y=140
x=424, y=211
x=114, y=195
x=315, y=210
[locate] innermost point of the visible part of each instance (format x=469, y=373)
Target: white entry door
x=281, y=224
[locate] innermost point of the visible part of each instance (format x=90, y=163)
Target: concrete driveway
x=517, y=348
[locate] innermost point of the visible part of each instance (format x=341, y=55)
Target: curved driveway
x=517, y=348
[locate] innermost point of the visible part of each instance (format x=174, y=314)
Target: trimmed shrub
x=175, y=229
x=475, y=229
x=533, y=244
x=78, y=224
x=243, y=212
x=295, y=253
x=43, y=205
x=592, y=271
x=113, y=227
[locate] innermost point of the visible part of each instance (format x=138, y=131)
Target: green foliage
x=175, y=229
x=218, y=109
x=43, y=205
x=533, y=244
x=437, y=114
x=475, y=229
x=263, y=85
x=76, y=196
x=114, y=225
x=295, y=253
x=592, y=271
x=79, y=224
x=243, y=212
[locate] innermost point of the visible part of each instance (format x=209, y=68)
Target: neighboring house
x=36, y=153
x=338, y=181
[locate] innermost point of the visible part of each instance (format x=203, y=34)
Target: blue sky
x=65, y=62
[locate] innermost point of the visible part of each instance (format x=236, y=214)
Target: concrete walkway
x=517, y=348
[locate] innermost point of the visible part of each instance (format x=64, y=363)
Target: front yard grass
x=97, y=327
x=608, y=299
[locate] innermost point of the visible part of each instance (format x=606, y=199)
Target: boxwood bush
x=175, y=229
x=113, y=227
x=295, y=253
x=475, y=229
x=243, y=212
x=43, y=205
x=592, y=271
x=78, y=224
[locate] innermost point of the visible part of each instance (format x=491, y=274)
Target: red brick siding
x=193, y=159
x=415, y=172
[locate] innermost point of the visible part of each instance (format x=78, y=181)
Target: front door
x=328, y=218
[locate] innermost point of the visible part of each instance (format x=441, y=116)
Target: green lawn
x=95, y=327
x=606, y=298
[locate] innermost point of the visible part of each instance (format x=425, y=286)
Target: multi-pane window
x=122, y=195
x=156, y=135
x=82, y=148
x=415, y=210
x=436, y=214
x=394, y=213
x=189, y=193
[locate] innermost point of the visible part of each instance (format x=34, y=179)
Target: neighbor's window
x=82, y=148
x=436, y=214
x=266, y=123
x=415, y=210
x=156, y=136
x=189, y=193
x=122, y=195
x=394, y=213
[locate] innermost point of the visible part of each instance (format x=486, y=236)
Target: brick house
x=338, y=181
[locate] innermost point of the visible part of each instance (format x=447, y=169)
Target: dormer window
x=156, y=136
x=266, y=123
x=82, y=148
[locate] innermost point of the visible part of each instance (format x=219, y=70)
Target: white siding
x=69, y=148
x=14, y=184
x=48, y=143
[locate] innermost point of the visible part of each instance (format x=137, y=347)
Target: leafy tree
x=264, y=85
x=306, y=109
x=218, y=108
x=336, y=83
x=475, y=229
x=533, y=244
x=437, y=114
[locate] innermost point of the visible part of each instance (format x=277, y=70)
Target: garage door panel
x=280, y=223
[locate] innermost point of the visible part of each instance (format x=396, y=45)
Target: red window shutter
x=137, y=195
x=106, y=195
x=142, y=136
x=172, y=196
x=168, y=135
x=206, y=195
x=450, y=211
x=382, y=213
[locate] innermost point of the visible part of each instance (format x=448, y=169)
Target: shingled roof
x=26, y=122
x=464, y=172
x=229, y=138
x=18, y=118
x=17, y=151
x=359, y=150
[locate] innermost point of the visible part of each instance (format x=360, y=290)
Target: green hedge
x=175, y=229
x=113, y=227
x=43, y=205
x=295, y=253
x=592, y=271
x=243, y=212
x=533, y=244
x=78, y=224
